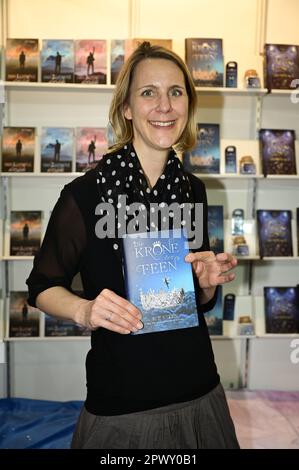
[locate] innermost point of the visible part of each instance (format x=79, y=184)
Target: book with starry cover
x=274, y=232
x=216, y=228
x=159, y=281
x=277, y=149
x=281, y=309
x=204, y=58
x=281, y=65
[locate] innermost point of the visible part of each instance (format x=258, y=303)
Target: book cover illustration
x=274, y=232
x=277, y=149
x=57, y=145
x=91, y=145
x=159, y=281
x=57, y=61
x=59, y=327
x=205, y=157
x=18, y=144
x=216, y=228
x=25, y=233
x=204, y=58
x=24, y=321
x=281, y=65
x=214, y=318
x=281, y=309
x=91, y=61
x=121, y=49
x=21, y=58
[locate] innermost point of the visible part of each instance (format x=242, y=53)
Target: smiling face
x=158, y=105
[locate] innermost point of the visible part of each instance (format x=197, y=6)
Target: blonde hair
x=122, y=127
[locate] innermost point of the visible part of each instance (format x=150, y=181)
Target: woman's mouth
x=162, y=123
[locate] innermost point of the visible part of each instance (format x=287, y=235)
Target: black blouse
x=125, y=373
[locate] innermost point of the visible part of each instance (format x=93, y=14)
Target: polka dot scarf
x=120, y=173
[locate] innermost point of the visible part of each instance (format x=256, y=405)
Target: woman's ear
x=127, y=111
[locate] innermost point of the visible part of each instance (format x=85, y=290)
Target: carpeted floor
x=265, y=419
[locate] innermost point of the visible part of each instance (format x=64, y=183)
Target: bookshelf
x=240, y=113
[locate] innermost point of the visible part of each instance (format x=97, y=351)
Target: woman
x=157, y=390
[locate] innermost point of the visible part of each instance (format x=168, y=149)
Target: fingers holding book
x=114, y=313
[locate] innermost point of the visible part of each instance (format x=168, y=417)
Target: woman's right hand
x=113, y=312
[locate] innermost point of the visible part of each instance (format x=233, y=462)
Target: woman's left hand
x=211, y=269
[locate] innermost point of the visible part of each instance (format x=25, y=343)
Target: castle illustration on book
x=159, y=281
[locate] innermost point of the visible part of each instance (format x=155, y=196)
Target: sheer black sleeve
x=60, y=255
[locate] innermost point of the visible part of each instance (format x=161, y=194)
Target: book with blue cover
x=214, y=318
x=159, y=281
x=205, y=157
x=275, y=232
x=57, y=145
x=204, y=57
x=57, y=61
x=215, y=228
x=281, y=309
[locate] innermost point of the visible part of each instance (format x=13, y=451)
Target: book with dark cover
x=21, y=57
x=215, y=228
x=91, y=145
x=91, y=61
x=24, y=321
x=205, y=157
x=214, y=318
x=281, y=65
x=18, y=145
x=59, y=327
x=57, y=145
x=277, y=149
x=204, y=58
x=25, y=233
x=274, y=232
x=159, y=281
x=281, y=309
x=57, y=61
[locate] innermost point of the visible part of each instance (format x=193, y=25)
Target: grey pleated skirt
x=204, y=423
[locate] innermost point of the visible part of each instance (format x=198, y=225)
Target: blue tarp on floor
x=37, y=424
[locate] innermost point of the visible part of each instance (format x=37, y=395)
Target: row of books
x=57, y=146
x=277, y=153
x=277, y=150
x=85, y=61
x=281, y=315
x=274, y=231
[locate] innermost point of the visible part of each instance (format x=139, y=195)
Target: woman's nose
x=164, y=103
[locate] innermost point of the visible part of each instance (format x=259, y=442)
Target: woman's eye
x=176, y=92
x=147, y=93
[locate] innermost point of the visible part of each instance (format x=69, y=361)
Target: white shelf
x=56, y=86
x=232, y=91
x=16, y=258
x=277, y=335
x=47, y=338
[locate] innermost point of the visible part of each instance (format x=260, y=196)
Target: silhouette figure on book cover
x=22, y=59
x=19, y=147
x=58, y=59
x=91, y=150
x=90, y=62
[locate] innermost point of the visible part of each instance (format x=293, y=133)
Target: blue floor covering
x=37, y=424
